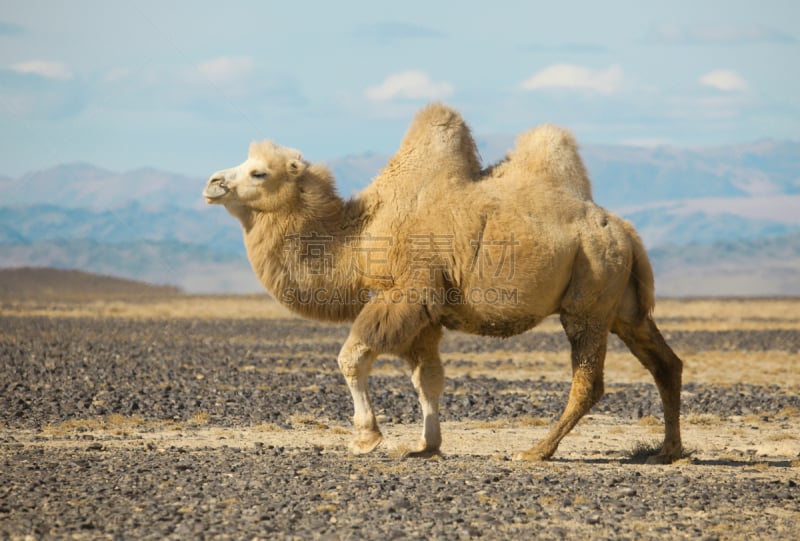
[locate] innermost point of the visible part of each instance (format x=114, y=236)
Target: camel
x=435, y=242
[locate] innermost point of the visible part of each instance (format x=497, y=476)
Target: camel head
x=264, y=182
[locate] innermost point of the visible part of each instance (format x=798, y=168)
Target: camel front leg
x=428, y=380
x=355, y=362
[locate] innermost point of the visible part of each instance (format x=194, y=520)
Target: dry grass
x=652, y=424
x=754, y=367
x=580, y=499
x=116, y=424
x=710, y=367
x=649, y=420
x=267, y=427
x=179, y=307
x=546, y=501
x=686, y=314
x=514, y=422
x=729, y=313
x=702, y=419
x=789, y=412
x=642, y=450
x=302, y=419
x=783, y=436
x=484, y=498
x=200, y=418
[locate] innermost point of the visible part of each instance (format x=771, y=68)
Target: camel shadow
x=687, y=460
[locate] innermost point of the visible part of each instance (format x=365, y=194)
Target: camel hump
x=551, y=153
x=439, y=136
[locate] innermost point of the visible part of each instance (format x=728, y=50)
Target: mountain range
x=700, y=211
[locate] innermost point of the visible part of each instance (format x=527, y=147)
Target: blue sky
x=185, y=86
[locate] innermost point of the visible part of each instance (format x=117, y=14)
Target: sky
x=185, y=86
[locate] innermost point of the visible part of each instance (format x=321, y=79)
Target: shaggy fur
x=435, y=242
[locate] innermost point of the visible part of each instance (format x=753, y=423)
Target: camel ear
x=296, y=166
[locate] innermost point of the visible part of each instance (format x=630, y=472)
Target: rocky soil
x=184, y=428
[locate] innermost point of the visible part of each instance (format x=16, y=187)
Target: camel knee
x=423, y=357
x=648, y=345
x=355, y=359
x=586, y=390
x=428, y=378
x=668, y=373
x=590, y=390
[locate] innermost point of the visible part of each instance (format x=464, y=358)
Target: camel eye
x=259, y=174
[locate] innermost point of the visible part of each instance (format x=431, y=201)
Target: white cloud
x=43, y=68
x=225, y=69
x=409, y=85
x=607, y=81
x=718, y=34
x=725, y=80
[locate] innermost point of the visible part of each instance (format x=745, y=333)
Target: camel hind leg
x=645, y=341
x=588, y=338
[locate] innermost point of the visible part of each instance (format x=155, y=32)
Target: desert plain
x=168, y=416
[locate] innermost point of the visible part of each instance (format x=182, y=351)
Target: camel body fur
x=437, y=242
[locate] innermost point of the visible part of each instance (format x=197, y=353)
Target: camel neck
x=301, y=255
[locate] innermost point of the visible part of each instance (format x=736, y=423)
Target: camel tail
x=641, y=279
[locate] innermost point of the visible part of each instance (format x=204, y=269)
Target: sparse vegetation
x=703, y=419
x=642, y=450
x=115, y=423
x=789, y=412
x=649, y=420
x=200, y=418
x=513, y=422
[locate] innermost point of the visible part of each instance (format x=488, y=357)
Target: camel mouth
x=215, y=190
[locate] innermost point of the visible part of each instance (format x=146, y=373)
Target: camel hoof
x=661, y=459
x=531, y=455
x=364, y=442
x=423, y=453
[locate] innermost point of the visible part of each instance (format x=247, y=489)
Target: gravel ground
x=246, y=373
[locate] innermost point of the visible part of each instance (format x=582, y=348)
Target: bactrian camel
x=435, y=241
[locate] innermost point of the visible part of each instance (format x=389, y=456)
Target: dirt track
x=203, y=417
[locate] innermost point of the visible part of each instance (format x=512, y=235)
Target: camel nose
x=216, y=188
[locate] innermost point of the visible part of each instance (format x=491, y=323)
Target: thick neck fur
x=298, y=251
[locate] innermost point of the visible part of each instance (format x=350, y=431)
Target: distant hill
x=757, y=267
x=50, y=284
x=763, y=267
x=82, y=185
x=153, y=225
x=208, y=226
x=623, y=176
x=194, y=268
